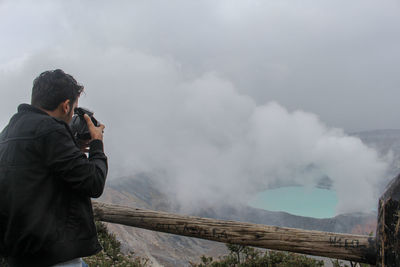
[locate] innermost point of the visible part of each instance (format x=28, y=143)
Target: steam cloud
x=196, y=132
x=205, y=140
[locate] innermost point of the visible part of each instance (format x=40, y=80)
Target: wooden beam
x=388, y=228
x=333, y=245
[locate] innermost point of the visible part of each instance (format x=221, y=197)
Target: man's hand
x=95, y=132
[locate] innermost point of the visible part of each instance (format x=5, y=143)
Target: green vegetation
x=243, y=256
x=111, y=254
x=336, y=263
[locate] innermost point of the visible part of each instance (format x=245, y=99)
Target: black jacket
x=46, y=183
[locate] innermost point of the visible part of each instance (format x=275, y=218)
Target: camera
x=79, y=126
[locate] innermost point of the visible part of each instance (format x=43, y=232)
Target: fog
x=219, y=100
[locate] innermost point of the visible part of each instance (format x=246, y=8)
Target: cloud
x=336, y=59
x=209, y=100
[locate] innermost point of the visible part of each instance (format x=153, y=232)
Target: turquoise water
x=298, y=200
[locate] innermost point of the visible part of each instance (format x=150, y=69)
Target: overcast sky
x=337, y=59
x=224, y=92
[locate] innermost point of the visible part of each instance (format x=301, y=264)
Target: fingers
x=95, y=132
x=90, y=123
x=88, y=120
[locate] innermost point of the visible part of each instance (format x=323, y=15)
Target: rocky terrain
x=171, y=250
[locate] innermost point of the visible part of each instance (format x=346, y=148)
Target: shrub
x=243, y=256
x=111, y=254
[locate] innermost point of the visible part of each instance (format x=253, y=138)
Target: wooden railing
x=382, y=251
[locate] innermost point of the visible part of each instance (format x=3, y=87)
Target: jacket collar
x=30, y=108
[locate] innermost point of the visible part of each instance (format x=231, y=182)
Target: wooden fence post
x=387, y=232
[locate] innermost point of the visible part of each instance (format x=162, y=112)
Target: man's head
x=56, y=93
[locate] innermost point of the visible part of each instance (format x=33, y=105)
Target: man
x=46, y=181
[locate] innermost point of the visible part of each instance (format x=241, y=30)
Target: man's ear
x=65, y=106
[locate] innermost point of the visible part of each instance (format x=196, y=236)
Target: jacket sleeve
x=65, y=161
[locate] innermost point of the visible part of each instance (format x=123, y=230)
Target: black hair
x=53, y=87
